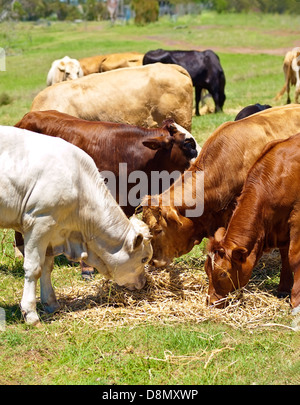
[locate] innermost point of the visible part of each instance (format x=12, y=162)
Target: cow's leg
x=294, y=260
x=288, y=101
x=32, y=269
x=297, y=93
x=198, y=90
x=286, y=276
x=48, y=297
x=215, y=95
x=295, y=295
x=36, y=241
x=87, y=272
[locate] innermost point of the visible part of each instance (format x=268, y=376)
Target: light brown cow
x=104, y=63
x=143, y=96
x=121, y=60
x=267, y=216
x=291, y=66
x=225, y=160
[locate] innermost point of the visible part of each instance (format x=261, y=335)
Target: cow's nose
x=215, y=301
x=138, y=285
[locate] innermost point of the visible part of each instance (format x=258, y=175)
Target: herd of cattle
x=102, y=112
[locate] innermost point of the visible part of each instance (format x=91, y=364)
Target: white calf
x=54, y=195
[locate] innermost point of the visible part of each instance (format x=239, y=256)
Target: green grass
x=71, y=348
x=185, y=354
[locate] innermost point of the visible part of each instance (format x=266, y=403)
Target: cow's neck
x=102, y=218
x=188, y=197
x=247, y=225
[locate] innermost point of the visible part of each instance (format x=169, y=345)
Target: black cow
x=204, y=68
x=251, y=109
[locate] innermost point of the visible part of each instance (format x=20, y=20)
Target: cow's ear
x=137, y=241
x=239, y=254
x=170, y=126
x=158, y=142
x=172, y=215
x=61, y=66
x=219, y=234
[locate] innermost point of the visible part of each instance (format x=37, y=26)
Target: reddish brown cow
x=267, y=216
x=109, y=144
x=225, y=160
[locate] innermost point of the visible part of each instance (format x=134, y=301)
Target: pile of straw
x=177, y=294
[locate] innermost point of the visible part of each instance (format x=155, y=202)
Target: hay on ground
x=177, y=294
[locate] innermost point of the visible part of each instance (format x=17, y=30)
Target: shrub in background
x=146, y=11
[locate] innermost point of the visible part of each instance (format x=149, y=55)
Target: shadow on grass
x=15, y=269
x=173, y=283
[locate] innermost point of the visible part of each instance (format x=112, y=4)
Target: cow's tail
x=283, y=90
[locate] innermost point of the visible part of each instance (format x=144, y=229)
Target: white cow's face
x=72, y=70
x=132, y=258
x=126, y=266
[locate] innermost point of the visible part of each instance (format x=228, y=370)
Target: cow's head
x=128, y=267
x=181, y=144
x=123, y=264
x=171, y=232
x=70, y=68
x=228, y=269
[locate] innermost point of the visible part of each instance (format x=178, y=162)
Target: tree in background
x=94, y=10
x=146, y=11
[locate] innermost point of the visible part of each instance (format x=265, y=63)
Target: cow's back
x=233, y=148
x=143, y=96
x=31, y=173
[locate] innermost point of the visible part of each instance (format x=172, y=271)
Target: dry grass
x=177, y=294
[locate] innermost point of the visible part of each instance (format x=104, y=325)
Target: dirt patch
x=184, y=45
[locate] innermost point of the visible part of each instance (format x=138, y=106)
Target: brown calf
x=267, y=216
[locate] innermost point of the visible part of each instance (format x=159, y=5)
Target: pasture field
x=164, y=334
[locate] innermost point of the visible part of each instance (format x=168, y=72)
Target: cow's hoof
x=296, y=311
x=283, y=294
x=52, y=308
x=31, y=318
x=296, y=320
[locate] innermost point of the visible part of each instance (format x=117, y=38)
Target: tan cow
x=224, y=160
x=143, y=96
x=291, y=66
x=64, y=69
x=104, y=63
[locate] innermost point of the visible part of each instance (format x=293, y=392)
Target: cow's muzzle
x=138, y=285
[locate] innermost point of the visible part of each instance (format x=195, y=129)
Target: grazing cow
x=267, y=216
x=104, y=63
x=204, y=68
x=143, y=96
x=64, y=69
x=168, y=148
x=225, y=159
x=251, y=109
x=291, y=66
x=55, y=196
